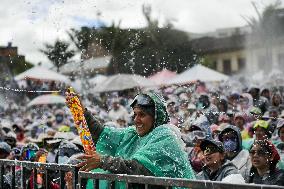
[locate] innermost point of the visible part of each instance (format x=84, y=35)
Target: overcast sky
x=28, y=24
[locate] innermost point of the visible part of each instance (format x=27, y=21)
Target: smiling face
x=143, y=121
x=212, y=158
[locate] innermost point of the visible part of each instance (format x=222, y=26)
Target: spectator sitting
x=232, y=141
x=118, y=111
x=5, y=150
x=264, y=158
x=217, y=168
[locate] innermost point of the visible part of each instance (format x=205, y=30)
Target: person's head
x=50, y=120
x=264, y=155
x=256, y=112
x=213, y=152
x=273, y=113
x=224, y=118
x=261, y=130
x=203, y=102
x=5, y=150
x=65, y=151
x=239, y=121
x=280, y=128
x=10, y=138
x=232, y=141
x=171, y=106
x=19, y=131
x=59, y=116
x=222, y=105
x=149, y=112
x=121, y=122
x=215, y=98
x=199, y=129
x=276, y=99
x=29, y=152
x=254, y=91
x=115, y=104
x=265, y=93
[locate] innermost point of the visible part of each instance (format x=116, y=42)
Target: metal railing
x=79, y=178
x=31, y=170
x=153, y=182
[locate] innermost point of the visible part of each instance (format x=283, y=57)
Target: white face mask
x=62, y=159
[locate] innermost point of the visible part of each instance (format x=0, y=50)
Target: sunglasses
x=197, y=134
x=143, y=100
x=259, y=152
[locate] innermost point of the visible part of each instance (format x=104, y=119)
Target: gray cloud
x=30, y=24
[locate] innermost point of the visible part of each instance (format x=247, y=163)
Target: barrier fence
x=30, y=170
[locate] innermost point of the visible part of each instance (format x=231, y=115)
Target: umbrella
x=43, y=74
x=97, y=79
x=47, y=99
x=162, y=77
x=198, y=72
x=123, y=81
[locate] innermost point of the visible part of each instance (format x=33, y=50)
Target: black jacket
x=275, y=177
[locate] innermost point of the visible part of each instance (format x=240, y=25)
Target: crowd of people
x=190, y=131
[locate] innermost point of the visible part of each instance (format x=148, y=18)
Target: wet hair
x=271, y=151
x=150, y=110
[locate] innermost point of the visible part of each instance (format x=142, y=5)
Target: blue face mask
x=59, y=118
x=230, y=145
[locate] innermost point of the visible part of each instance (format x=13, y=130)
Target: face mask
x=59, y=119
x=230, y=145
x=62, y=159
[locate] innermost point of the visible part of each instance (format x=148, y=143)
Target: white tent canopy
x=41, y=73
x=97, y=79
x=123, y=81
x=198, y=72
x=47, y=99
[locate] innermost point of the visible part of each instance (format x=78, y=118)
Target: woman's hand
x=90, y=161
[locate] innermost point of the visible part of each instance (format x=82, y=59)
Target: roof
x=198, y=72
x=211, y=45
x=41, y=73
x=88, y=65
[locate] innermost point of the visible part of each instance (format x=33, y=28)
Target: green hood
x=161, y=114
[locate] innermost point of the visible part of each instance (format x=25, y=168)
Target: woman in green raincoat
x=152, y=147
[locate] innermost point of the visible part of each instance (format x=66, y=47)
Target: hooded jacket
x=158, y=153
x=242, y=159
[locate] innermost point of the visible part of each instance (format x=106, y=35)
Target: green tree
x=140, y=51
x=82, y=39
x=58, y=53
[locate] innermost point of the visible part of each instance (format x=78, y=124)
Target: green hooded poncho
x=160, y=151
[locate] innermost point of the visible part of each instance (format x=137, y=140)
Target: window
x=227, y=66
x=241, y=63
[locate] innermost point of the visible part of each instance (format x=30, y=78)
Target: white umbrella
x=123, y=81
x=97, y=79
x=198, y=72
x=47, y=99
x=41, y=73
